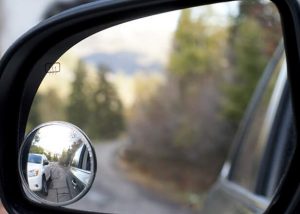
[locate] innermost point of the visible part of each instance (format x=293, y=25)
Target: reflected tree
x=254, y=37
x=34, y=118
x=106, y=118
x=49, y=156
x=185, y=121
x=67, y=155
x=78, y=108
x=36, y=149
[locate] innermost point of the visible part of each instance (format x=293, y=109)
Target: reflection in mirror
x=162, y=98
x=57, y=163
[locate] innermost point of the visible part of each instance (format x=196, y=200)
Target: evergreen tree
x=55, y=158
x=52, y=106
x=249, y=65
x=252, y=44
x=78, y=109
x=196, y=45
x=106, y=110
x=49, y=156
x=34, y=118
x=63, y=159
x=36, y=149
x=197, y=49
x=187, y=106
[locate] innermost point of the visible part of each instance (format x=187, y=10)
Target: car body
x=38, y=172
x=266, y=133
x=79, y=172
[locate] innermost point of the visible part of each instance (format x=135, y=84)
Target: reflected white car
x=38, y=172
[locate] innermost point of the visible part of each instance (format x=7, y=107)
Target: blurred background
x=160, y=97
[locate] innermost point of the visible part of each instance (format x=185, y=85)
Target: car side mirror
x=60, y=142
x=46, y=163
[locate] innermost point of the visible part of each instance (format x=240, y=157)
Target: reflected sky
x=55, y=139
x=144, y=36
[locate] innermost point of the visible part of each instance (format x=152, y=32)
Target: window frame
x=78, y=161
x=236, y=190
x=250, y=111
x=272, y=117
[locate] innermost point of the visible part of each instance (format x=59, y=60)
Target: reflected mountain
x=127, y=62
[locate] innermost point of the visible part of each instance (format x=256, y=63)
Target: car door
x=263, y=146
x=79, y=173
x=22, y=69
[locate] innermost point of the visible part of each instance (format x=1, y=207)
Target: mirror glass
x=162, y=98
x=57, y=163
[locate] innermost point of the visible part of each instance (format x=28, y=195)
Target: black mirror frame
x=22, y=69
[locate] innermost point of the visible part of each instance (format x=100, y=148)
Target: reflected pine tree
x=106, y=114
x=77, y=110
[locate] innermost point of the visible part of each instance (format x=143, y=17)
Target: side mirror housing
x=46, y=163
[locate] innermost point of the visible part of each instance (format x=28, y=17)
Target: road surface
x=112, y=192
x=58, y=190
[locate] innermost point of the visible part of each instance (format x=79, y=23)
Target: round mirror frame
x=33, y=196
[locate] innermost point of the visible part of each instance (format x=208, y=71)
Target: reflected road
x=113, y=192
x=58, y=190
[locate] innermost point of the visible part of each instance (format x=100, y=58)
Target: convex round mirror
x=57, y=164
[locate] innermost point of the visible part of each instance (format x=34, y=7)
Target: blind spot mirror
x=57, y=164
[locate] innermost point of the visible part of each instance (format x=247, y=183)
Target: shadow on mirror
x=57, y=163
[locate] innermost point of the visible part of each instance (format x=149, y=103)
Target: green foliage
x=51, y=105
x=34, y=116
x=97, y=110
x=250, y=62
x=78, y=108
x=177, y=121
x=252, y=44
x=64, y=158
x=106, y=109
x=197, y=46
x=67, y=155
x=36, y=149
x=185, y=118
x=36, y=138
x=46, y=106
x=49, y=156
x=55, y=158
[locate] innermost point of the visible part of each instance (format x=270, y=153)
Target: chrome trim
x=243, y=195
